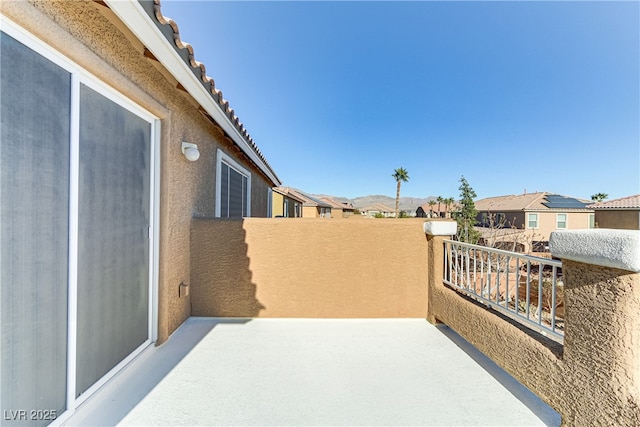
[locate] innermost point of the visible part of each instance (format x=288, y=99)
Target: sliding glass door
x=76, y=217
x=34, y=232
x=113, y=239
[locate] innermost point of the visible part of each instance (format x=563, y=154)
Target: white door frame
x=81, y=76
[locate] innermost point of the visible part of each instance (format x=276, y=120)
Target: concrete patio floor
x=286, y=372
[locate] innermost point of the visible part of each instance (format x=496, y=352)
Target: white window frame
x=269, y=203
x=566, y=221
x=592, y=220
x=80, y=75
x=285, y=208
x=529, y=220
x=221, y=157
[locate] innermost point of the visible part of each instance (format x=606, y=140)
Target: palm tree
x=431, y=203
x=440, y=200
x=400, y=175
x=598, y=197
x=447, y=206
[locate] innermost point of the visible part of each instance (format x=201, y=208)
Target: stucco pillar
x=437, y=231
x=602, y=336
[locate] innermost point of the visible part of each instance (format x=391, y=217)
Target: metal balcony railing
x=525, y=288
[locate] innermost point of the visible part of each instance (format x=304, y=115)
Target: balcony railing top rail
x=527, y=289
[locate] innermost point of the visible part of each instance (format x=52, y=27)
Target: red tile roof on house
x=629, y=202
x=170, y=30
x=285, y=192
x=336, y=204
x=539, y=201
x=443, y=207
x=307, y=200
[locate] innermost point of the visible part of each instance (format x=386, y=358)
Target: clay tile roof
x=170, y=30
x=531, y=202
x=336, y=204
x=443, y=207
x=378, y=207
x=629, y=202
x=285, y=192
x=511, y=202
x=306, y=199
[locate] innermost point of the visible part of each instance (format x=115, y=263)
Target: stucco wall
x=594, y=378
x=278, y=204
x=91, y=36
x=628, y=220
x=547, y=222
x=308, y=268
x=310, y=212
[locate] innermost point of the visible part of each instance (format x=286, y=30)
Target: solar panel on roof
x=555, y=201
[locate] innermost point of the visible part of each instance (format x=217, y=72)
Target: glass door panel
x=34, y=232
x=113, y=242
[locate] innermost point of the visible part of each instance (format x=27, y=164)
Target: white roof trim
x=136, y=19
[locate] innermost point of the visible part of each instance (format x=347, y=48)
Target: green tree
x=431, y=203
x=440, y=200
x=598, y=197
x=400, y=175
x=466, y=214
x=448, y=202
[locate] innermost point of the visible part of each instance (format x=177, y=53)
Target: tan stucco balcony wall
x=308, y=268
x=591, y=379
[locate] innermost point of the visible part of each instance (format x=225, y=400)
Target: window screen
x=113, y=242
x=34, y=204
x=233, y=188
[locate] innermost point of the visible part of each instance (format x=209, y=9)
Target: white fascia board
x=136, y=19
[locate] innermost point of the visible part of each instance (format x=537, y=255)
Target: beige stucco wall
x=547, y=222
x=278, y=204
x=594, y=378
x=310, y=212
x=308, y=268
x=92, y=37
x=629, y=220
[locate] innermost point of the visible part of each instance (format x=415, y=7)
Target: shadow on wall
x=220, y=274
x=308, y=267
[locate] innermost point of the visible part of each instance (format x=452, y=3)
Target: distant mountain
x=409, y=204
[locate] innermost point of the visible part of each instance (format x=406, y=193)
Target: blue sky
x=515, y=96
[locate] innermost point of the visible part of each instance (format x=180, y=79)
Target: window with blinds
x=233, y=189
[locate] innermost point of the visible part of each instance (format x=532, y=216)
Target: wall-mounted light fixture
x=190, y=151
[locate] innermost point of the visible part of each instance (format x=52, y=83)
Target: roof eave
x=630, y=208
x=133, y=15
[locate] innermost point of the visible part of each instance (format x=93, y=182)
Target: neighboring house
x=338, y=209
x=618, y=213
x=311, y=206
x=428, y=211
x=286, y=204
x=378, y=208
x=536, y=215
x=98, y=190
